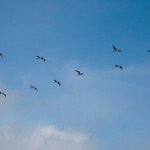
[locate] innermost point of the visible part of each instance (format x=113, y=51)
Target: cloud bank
x=45, y=138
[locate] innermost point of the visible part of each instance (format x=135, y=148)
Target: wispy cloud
x=9, y=101
x=101, y=93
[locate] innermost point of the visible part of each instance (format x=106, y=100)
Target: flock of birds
x=55, y=81
x=79, y=73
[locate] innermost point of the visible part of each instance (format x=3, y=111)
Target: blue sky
x=110, y=104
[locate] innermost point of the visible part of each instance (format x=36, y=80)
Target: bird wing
x=1, y=54
x=77, y=71
x=43, y=58
x=35, y=88
x=148, y=50
x=121, y=67
x=4, y=94
x=114, y=47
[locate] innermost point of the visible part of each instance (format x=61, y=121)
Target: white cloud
x=45, y=138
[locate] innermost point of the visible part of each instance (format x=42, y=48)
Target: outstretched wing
x=58, y=83
x=55, y=81
x=121, y=67
x=77, y=71
x=4, y=94
x=114, y=47
x=35, y=88
x=43, y=58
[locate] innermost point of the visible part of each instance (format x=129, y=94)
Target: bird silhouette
x=34, y=87
x=1, y=54
x=119, y=66
x=38, y=57
x=115, y=49
x=3, y=93
x=79, y=73
x=55, y=81
x=148, y=50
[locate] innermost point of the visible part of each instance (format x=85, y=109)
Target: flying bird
x=1, y=54
x=55, y=81
x=34, y=87
x=115, y=49
x=148, y=50
x=38, y=57
x=3, y=93
x=79, y=73
x=119, y=66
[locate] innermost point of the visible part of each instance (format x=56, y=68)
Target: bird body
x=79, y=73
x=34, y=87
x=55, y=81
x=3, y=93
x=1, y=54
x=119, y=66
x=115, y=49
x=148, y=50
x=38, y=57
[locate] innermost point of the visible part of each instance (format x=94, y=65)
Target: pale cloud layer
x=9, y=101
x=45, y=138
x=72, y=105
